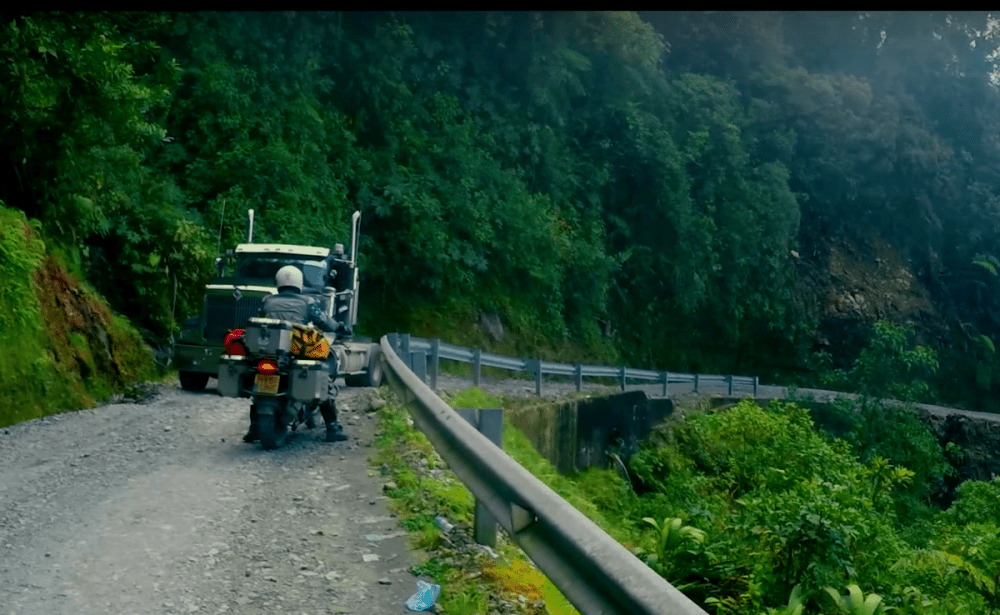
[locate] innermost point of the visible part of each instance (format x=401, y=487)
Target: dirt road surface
x=160, y=508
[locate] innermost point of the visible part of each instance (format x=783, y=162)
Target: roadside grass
x=594, y=492
x=422, y=488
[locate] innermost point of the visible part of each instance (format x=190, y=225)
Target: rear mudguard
x=267, y=409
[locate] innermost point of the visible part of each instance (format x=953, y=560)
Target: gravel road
x=161, y=508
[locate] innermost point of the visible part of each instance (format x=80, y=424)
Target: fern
x=986, y=263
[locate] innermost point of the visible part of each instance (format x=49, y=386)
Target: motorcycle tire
x=271, y=426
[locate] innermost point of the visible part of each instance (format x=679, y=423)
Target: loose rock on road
x=161, y=508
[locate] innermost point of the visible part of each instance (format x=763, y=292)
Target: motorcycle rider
x=291, y=305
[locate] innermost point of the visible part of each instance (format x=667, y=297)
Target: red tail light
x=232, y=344
x=267, y=366
x=233, y=335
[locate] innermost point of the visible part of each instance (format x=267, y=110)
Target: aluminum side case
x=309, y=381
x=268, y=336
x=232, y=373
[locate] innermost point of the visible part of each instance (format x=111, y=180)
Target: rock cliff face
x=852, y=285
x=979, y=437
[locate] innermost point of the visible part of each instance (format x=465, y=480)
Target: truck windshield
x=263, y=268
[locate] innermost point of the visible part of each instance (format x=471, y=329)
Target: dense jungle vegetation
x=854, y=509
x=660, y=189
x=651, y=188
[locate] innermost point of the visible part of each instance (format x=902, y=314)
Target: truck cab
x=231, y=299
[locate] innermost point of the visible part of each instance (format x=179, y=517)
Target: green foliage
x=31, y=383
x=80, y=120
x=888, y=367
x=796, y=603
x=20, y=252
x=47, y=367
x=856, y=603
x=753, y=510
x=885, y=478
x=976, y=501
x=884, y=433
x=986, y=264
x=562, y=169
x=784, y=507
x=475, y=398
x=671, y=536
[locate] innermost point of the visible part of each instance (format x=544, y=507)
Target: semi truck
x=232, y=298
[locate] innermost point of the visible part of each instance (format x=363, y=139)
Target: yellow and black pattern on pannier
x=309, y=343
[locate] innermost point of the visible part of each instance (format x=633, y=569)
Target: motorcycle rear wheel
x=271, y=427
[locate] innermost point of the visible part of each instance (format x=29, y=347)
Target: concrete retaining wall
x=577, y=434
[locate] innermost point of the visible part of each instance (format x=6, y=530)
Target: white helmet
x=289, y=275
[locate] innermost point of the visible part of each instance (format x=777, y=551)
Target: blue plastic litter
x=443, y=524
x=373, y=537
x=424, y=599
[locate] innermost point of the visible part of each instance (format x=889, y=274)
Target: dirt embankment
x=87, y=340
x=71, y=350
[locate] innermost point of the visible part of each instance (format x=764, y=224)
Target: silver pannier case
x=309, y=380
x=232, y=370
x=266, y=336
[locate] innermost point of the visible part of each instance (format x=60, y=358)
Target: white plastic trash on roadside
x=424, y=599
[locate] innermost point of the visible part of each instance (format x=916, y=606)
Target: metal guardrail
x=595, y=573
x=425, y=355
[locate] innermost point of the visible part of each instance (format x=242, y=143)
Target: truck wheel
x=271, y=427
x=193, y=381
x=376, y=368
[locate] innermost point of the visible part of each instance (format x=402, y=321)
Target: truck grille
x=226, y=313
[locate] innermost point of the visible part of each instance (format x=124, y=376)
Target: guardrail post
x=755, y=380
x=394, y=342
x=489, y=422
x=696, y=383
x=477, y=366
x=665, y=378
x=729, y=381
x=435, y=362
x=579, y=377
x=404, y=348
x=623, y=377
x=538, y=377
x=418, y=364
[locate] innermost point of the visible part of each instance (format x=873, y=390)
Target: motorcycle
x=286, y=370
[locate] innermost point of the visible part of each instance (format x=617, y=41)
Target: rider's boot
x=252, y=435
x=334, y=432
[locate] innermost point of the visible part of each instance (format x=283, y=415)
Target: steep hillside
x=65, y=348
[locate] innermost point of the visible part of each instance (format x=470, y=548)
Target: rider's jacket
x=295, y=307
